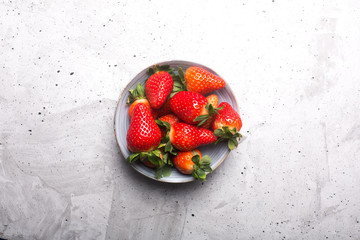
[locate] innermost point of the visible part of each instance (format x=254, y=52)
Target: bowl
x=217, y=152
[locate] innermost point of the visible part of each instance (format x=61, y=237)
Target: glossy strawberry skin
x=144, y=101
x=227, y=117
x=182, y=161
x=202, y=81
x=158, y=87
x=213, y=100
x=186, y=137
x=188, y=105
x=143, y=134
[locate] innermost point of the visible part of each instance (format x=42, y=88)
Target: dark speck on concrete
x=193, y=215
x=72, y=73
x=58, y=71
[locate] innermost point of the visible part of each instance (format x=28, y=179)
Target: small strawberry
x=186, y=137
x=149, y=164
x=227, y=124
x=214, y=101
x=192, y=162
x=202, y=81
x=158, y=87
x=164, y=110
x=171, y=119
x=137, y=95
x=143, y=137
x=192, y=107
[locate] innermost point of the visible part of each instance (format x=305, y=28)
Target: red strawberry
x=171, y=119
x=137, y=95
x=227, y=124
x=164, y=110
x=202, y=81
x=214, y=101
x=149, y=164
x=186, y=137
x=143, y=134
x=143, y=137
x=158, y=87
x=191, y=107
x=192, y=162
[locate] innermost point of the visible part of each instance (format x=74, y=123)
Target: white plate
x=218, y=152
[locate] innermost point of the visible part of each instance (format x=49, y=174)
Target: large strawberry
x=158, y=87
x=202, y=81
x=192, y=162
x=186, y=137
x=227, y=124
x=143, y=136
x=137, y=95
x=192, y=107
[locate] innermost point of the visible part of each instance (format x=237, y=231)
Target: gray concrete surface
x=295, y=70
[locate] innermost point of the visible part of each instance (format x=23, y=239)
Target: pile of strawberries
x=171, y=117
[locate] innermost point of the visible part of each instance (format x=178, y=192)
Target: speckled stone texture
x=293, y=65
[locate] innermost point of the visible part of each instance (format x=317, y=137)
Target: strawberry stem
x=179, y=82
x=228, y=134
x=205, y=117
x=158, y=68
x=135, y=94
x=201, y=166
x=166, y=140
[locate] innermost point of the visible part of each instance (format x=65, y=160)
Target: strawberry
x=149, y=164
x=158, y=86
x=164, y=110
x=186, y=137
x=192, y=107
x=143, y=137
x=171, y=119
x=214, y=101
x=192, y=162
x=202, y=81
x=227, y=124
x=137, y=95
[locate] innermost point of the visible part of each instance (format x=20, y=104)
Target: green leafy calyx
x=179, y=82
x=135, y=94
x=225, y=133
x=211, y=111
x=157, y=68
x=164, y=171
x=201, y=166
